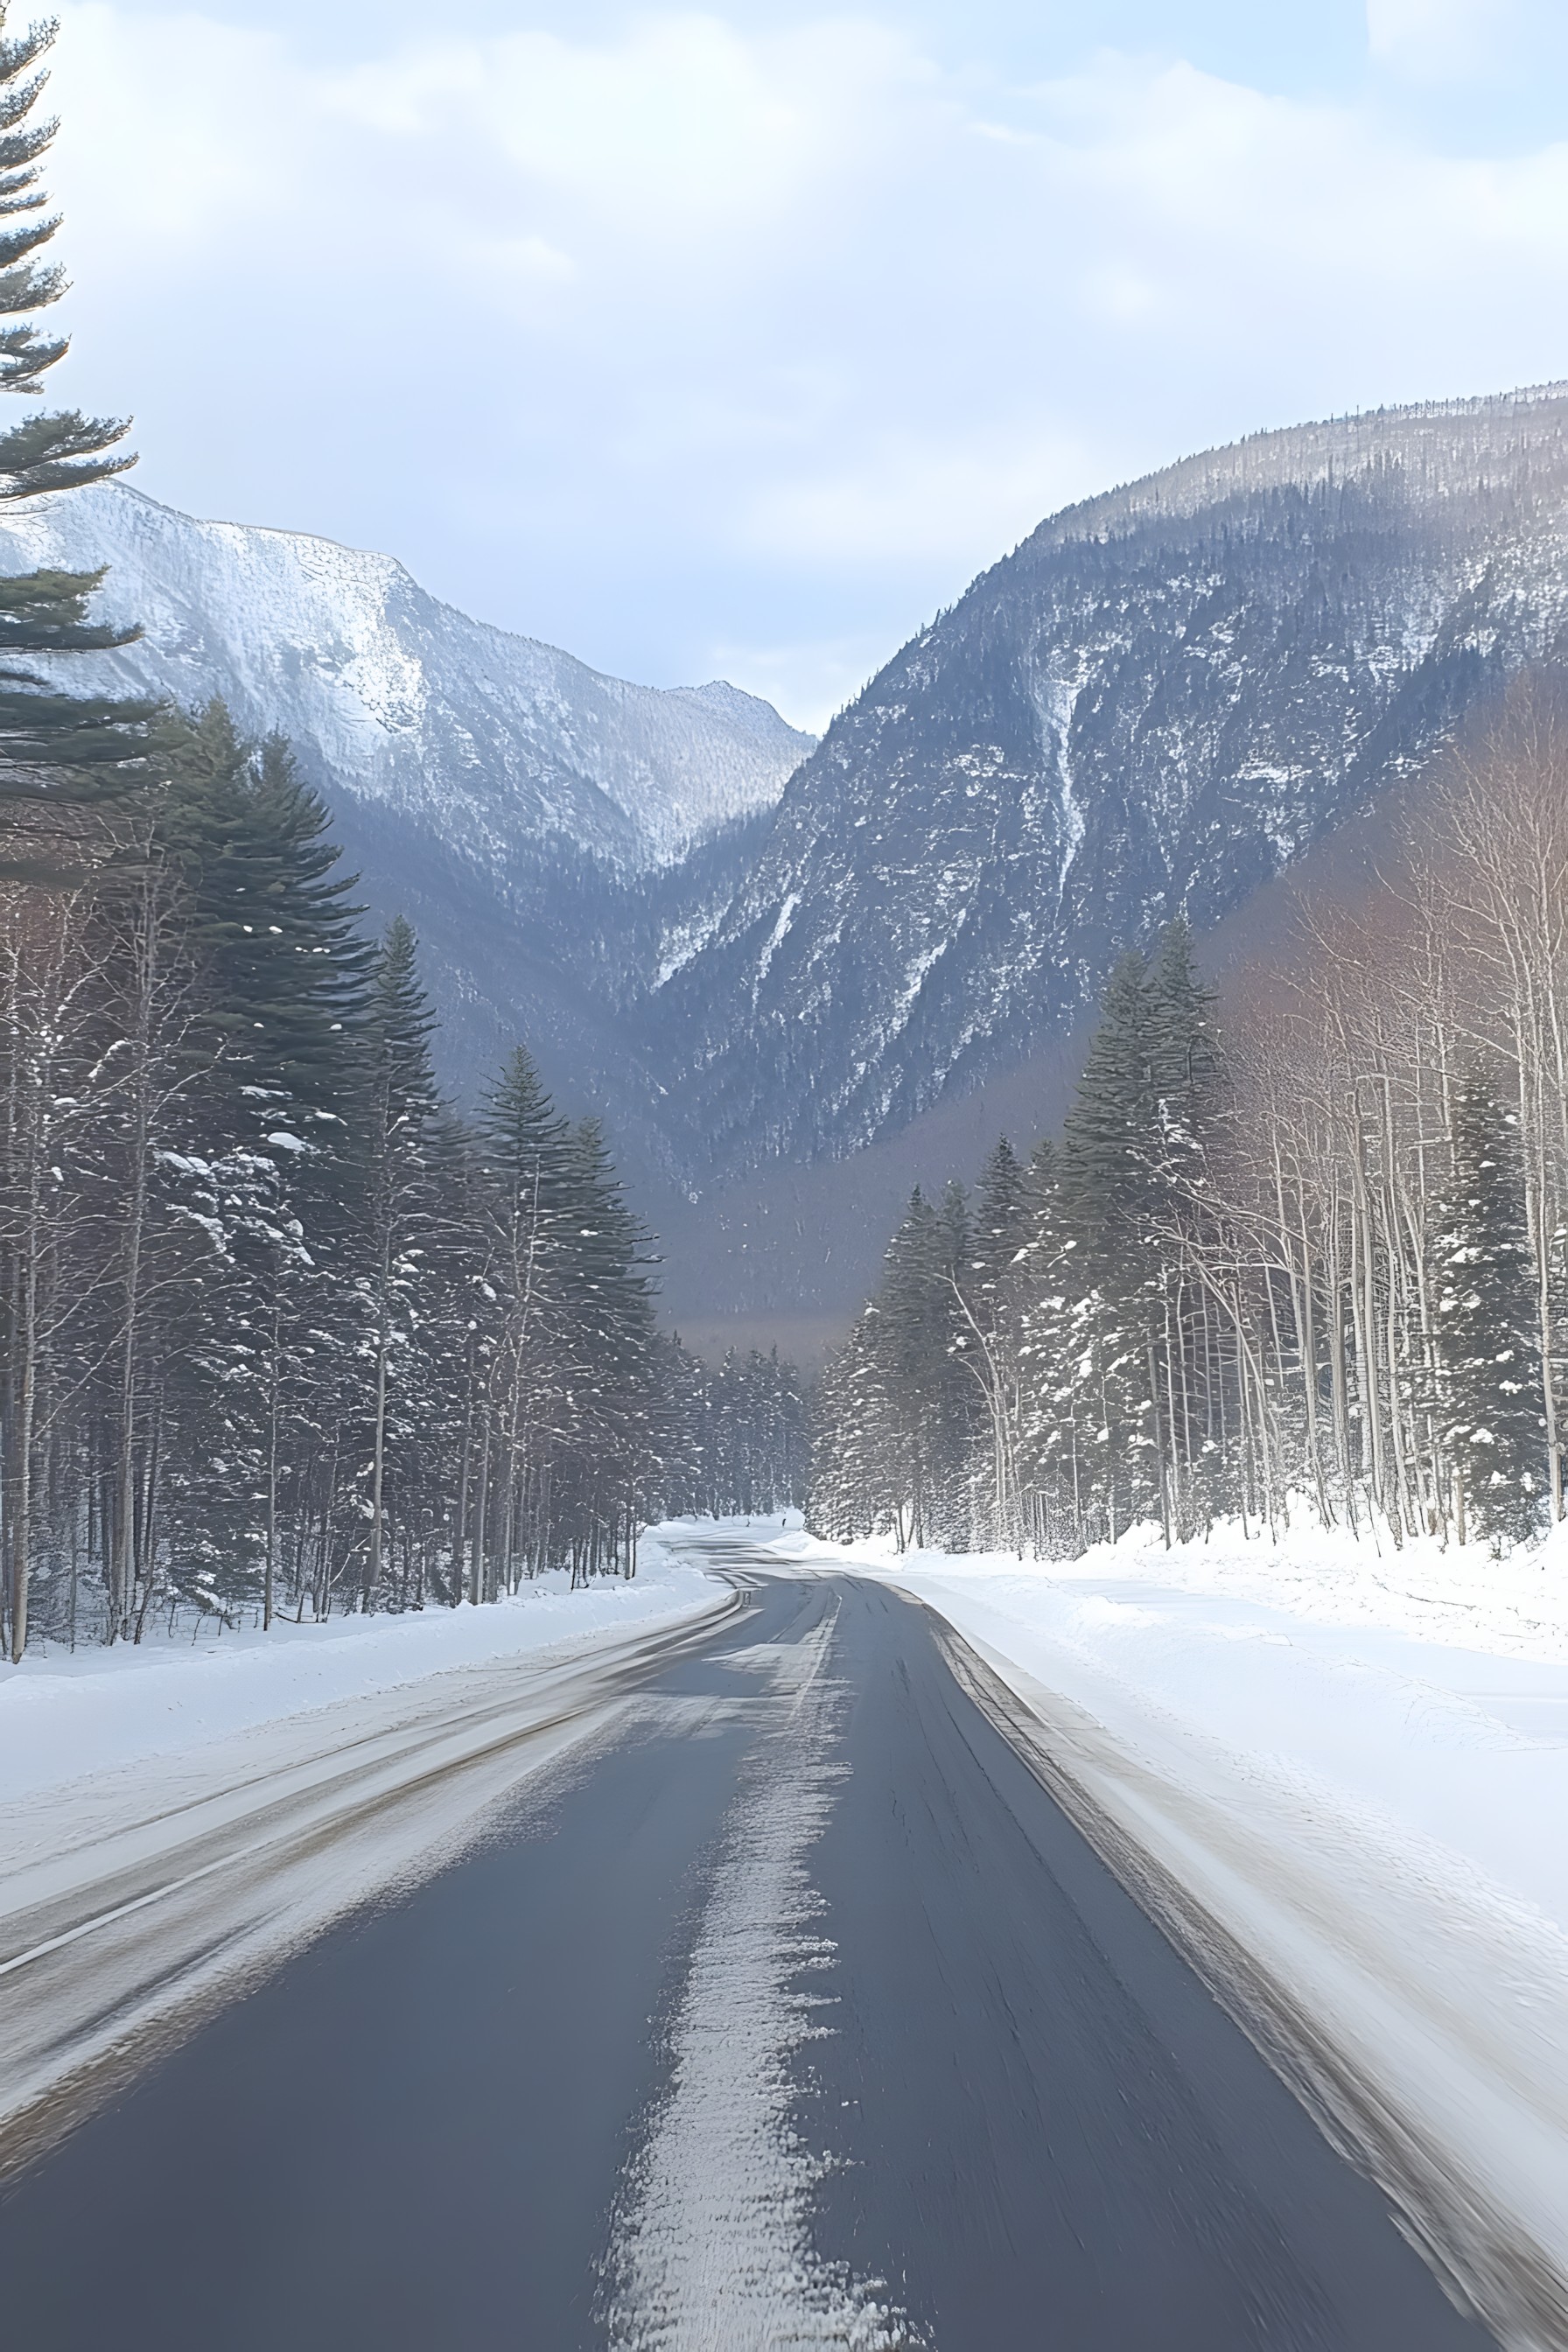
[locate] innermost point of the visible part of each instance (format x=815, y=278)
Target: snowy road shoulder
x=1356, y=1769
x=236, y=1808
x=100, y=1712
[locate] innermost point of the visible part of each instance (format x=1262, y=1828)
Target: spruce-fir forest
x=285, y=1332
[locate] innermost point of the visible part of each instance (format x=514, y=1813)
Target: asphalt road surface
x=785, y=2010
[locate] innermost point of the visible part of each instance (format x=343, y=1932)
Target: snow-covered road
x=139, y=1898
x=788, y=2011
x=1340, y=1779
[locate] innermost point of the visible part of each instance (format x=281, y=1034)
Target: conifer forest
x=283, y=1331
x=1301, y=1249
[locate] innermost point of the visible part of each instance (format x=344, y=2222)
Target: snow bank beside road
x=65, y=1718
x=1357, y=1765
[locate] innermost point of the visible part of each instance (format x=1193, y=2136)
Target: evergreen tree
x=1184, y=1060
x=1054, y=1465
x=682, y=1394
x=273, y=1376
x=916, y=1394
x=528, y=1150
x=990, y=1298
x=55, y=749
x=285, y=973
x=1486, y=1320
x=1190, y=1358
x=400, y=1024
x=299, y=962
x=62, y=749
x=58, y=452
x=1110, y=1136
x=522, y=1363
x=608, y=1309
x=457, y=1334
x=1001, y=1226
x=401, y=1105
x=857, y=1483
x=1110, y=1164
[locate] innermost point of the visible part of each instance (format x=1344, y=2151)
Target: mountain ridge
x=534, y=818
x=1161, y=700
x=1260, y=454
x=1152, y=705
x=390, y=689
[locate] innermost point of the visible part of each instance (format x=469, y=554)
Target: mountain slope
x=402, y=700
x=1162, y=700
x=536, y=819
x=1155, y=703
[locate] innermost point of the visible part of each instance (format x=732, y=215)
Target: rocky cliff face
x=537, y=820
x=1156, y=703
x=400, y=700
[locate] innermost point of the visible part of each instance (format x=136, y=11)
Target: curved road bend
x=788, y=2011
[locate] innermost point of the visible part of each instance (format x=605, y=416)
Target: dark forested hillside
x=1151, y=707
x=1296, y=1250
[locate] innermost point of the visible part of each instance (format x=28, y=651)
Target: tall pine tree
x=55, y=749
x=1486, y=1321
x=400, y=1105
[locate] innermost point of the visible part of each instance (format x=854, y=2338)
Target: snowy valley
x=783, y=1519
x=754, y=952
x=1229, y=1543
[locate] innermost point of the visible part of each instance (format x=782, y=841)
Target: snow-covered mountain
x=1155, y=703
x=1160, y=700
x=399, y=698
x=540, y=824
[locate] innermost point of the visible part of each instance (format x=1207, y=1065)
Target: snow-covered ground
x=1356, y=1762
x=63, y=1718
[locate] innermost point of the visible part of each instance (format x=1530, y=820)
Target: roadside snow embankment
x=1353, y=1767
x=66, y=1716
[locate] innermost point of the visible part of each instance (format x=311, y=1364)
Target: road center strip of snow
x=1341, y=1782
x=712, y=2248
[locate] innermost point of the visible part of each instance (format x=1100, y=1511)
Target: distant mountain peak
x=750, y=711
x=394, y=697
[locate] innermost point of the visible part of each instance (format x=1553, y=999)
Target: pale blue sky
x=735, y=340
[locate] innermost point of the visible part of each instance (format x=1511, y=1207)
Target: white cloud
x=683, y=126
x=688, y=337
x=175, y=130
x=910, y=497
x=1433, y=40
